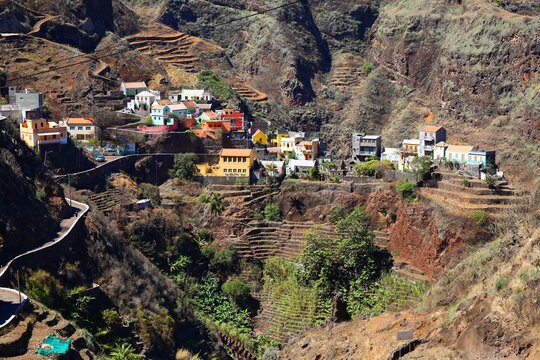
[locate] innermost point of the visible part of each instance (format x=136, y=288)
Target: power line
x=95, y=58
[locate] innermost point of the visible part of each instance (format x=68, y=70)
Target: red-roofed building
x=236, y=120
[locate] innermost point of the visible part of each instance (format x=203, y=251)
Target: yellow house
x=235, y=162
x=203, y=169
x=42, y=132
x=279, y=135
x=259, y=137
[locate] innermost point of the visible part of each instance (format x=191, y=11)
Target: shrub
x=41, y=194
x=334, y=179
x=337, y=213
x=184, y=354
x=237, y=291
x=272, y=212
x=44, y=287
x=367, y=67
x=211, y=82
x=406, y=189
x=222, y=261
x=148, y=120
x=111, y=318
x=204, y=235
x=421, y=166
x=490, y=181
x=314, y=173
x=124, y=351
x=213, y=201
x=374, y=167
x=149, y=191
x=184, y=166
x=501, y=283
x=479, y=217
x=466, y=183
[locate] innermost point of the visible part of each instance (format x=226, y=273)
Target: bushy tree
x=421, y=166
x=124, y=351
x=184, y=166
x=213, y=201
x=406, y=189
x=237, y=291
x=272, y=212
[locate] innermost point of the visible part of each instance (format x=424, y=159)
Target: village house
x=482, y=158
x=232, y=162
x=300, y=167
x=366, y=146
x=306, y=150
x=194, y=95
x=42, y=132
x=163, y=114
x=288, y=144
x=459, y=153
x=13, y=112
x=130, y=89
x=259, y=138
x=27, y=100
x=428, y=136
x=440, y=150
x=145, y=99
x=392, y=155
x=236, y=120
x=408, y=152
x=82, y=129
x=278, y=136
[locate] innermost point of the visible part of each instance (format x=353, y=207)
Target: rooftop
x=192, y=92
x=461, y=148
x=234, y=115
x=371, y=137
x=80, y=121
x=236, y=152
x=10, y=107
x=145, y=93
x=411, y=141
x=134, y=85
x=430, y=128
x=178, y=106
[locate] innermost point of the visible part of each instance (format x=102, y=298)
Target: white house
x=392, y=155
x=288, y=144
x=145, y=99
x=195, y=95
x=459, y=153
x=300, y=167
x=13, y=112
x=82, y=129
x=133, y=88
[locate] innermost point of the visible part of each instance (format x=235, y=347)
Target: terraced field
x=245, y=91
x=461, y=197
x=173, y=48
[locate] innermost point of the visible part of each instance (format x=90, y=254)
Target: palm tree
x=180, y=264
x=124, y=351
x=214, y=202
x=272, y=170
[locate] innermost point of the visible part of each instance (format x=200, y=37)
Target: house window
x=88, y=128
x=72, y=128
x=79, y=127
x=54, y=136
x=243, y=170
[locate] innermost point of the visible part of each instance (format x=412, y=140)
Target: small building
x=392, y=155
x=130, y=89
x=163, y=114
x=440, y=150
x=482, y=158
x=82, y=129
x=366, y=146
x=27, y=100
x=195, y=95
x=306, y=150
x=145, y=99
x=410, y=147
x=428, y=136
x=42, y=132
x=235, y=162
x=459, y=153
x=300, y=167
x=144, y=204
x=278, y=136
x=13, y=112
x=288, y=144
x=274, y=168
x=259, y=138
x=236, y=119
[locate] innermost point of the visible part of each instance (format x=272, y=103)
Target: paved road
x=9, y=300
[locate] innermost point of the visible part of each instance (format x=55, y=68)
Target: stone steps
x=457, y=207
x=475, y=199
x=454, y=186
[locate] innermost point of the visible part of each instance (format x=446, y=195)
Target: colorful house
x=300, y=167
x=279, y=135
x=259, y=138
x=162, y=114
x=459, y=153
x=42, y=132
x=82, y=129
x=392, y=155
x=236, y=120
x=482, y=158
x=145, y=99
x=429, y=136
x=131, y=89
x=410, y=147
x=440, y=150
x=13, y=112
x=306, y=150
x=366, y=146
x=235, y=162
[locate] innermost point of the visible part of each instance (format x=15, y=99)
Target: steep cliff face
x=31, y=204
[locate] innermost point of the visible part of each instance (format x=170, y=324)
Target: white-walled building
x=82, y=129
x=13, y=112
x=195, y=95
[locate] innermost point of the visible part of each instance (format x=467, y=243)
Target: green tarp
x=53, y=345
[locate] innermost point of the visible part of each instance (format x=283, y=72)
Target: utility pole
x=19, y=287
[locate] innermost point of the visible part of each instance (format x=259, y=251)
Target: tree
x=421, y=166
x=149, y=191
x=104, y=118
x=184, y=166
x=367, y=67
x=271, y=169
x=124, y=351
x=180, y=264
x=491, y=181
x=314, y=173
x=272, y=212
x=237, y=291
x=213, y=201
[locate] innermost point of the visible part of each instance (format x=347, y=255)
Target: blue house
x=162, y=114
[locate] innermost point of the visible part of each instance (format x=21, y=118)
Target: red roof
x=234, y=115
x=190, y=103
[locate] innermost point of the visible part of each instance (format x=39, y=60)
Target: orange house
x=42, y=132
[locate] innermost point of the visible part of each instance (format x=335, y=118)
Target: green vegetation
x=221, y=261
x=490, y=181
x=374, y=168
x=421, y=166
x=184, y=166
x=237, y=291
x=501, y=283
x=406, y=189
x=41, y=195
x=272, y=212
x=466, y=183
x=213, y=201
x=124, y=351
x=212, y=83
x=480, y=217
x=148, y=120
x=337, y=213
x=180, y=264
x=44, y=287
x=314, y=173
x=367, y=67
x=149, y=191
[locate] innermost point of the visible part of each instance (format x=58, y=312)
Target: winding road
x=10, y=304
